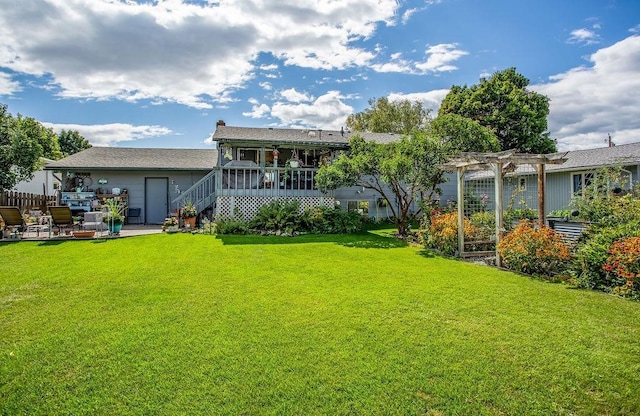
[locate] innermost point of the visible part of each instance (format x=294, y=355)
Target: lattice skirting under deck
x=248, y=205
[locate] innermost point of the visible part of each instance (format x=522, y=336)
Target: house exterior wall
x=42, y=180
x=134, y=183
x=558, y=191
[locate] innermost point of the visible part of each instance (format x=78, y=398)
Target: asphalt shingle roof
x=624, y=154
x=228, y=134
x=589, y=159
x=123, y=158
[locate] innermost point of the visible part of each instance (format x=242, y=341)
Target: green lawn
x=196, y=324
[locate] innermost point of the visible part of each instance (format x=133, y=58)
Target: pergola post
x=460, y=175
x=542, y=178
x=498, y=182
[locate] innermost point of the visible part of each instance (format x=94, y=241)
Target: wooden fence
x=26, y=201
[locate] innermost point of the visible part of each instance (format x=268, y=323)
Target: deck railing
x=268, y=181
x=202, y=193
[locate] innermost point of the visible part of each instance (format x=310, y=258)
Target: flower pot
x=190, y=222
x=172, y=229
x=114, y=228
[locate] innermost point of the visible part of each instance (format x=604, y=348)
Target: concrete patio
x=129, y=230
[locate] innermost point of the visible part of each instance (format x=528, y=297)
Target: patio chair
x=134, y=213
x=93, y=221
x=13, y=220
x=62, y=218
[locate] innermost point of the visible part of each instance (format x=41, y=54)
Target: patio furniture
x=62, y=219
x=134, y=213
x=93, y=221
x=13, y=220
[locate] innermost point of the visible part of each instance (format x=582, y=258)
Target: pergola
x=500, y=163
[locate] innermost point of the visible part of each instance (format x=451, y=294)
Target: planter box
x=84, y=234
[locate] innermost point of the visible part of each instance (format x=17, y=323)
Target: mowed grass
x=194, y=324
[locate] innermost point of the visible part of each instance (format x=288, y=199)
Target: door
x=156, y=200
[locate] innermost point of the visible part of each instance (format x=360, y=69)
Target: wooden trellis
x=499, y=163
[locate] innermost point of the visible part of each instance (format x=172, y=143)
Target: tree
x=72, y=142
x=460, y=134
x=404, y=173
x=45, y=137
x=19, y=152
x=502, y=103
x=383, y=116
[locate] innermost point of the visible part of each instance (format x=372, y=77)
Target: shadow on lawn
x=362, y=240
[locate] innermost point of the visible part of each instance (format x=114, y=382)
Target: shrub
x=536, y=251
x=278, y=216
x=441, y=232
x=327, y=220
x=624, y=262
x=591, y=254
x=231, y=225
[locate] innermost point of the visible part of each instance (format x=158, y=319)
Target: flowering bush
x=442, y=231
x=624, y=262
x=171, y=221
x=538, y=251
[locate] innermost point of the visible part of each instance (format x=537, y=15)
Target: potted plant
x=170, y=225
x=189, y=213
x=114, y=215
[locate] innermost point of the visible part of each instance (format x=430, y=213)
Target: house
x=144, y=178
x=562, y=182
x=251, y=167
x=258, y=165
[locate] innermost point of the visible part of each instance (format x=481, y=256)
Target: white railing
x=201, y=193
x=268, y=181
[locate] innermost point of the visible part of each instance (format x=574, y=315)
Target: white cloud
x=271, y=67
x=441, y=58
x=110, y=134
x=294, y=96
x=430, y=99
x=407, y=15
x=179, y=51
x=584, y=37
x=7, y=85
x=266, y=86
x=257, y=110
x=589, y=102
x=327, y=111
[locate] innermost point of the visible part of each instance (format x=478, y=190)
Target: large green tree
x=19, y=153
x=72, y=142
x=460, y=134
x=46, y=138
x=502, y=103
x=404, y=173
x=384, y=116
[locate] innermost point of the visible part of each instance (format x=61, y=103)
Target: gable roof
x=310, y=137
x=624, y=154
x=578, y=160
x=127, y=158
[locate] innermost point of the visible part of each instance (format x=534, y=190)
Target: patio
x=129, y=230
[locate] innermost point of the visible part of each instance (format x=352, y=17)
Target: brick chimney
x=220, y=123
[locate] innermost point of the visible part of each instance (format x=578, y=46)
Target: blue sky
x=161, y=73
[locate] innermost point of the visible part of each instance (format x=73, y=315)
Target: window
x=581, y=181
x=361, y=207
x=523, y=184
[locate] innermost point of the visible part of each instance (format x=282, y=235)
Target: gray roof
x=125, y=158
x=624, y=155
x=310, y=137
x=577, y=160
